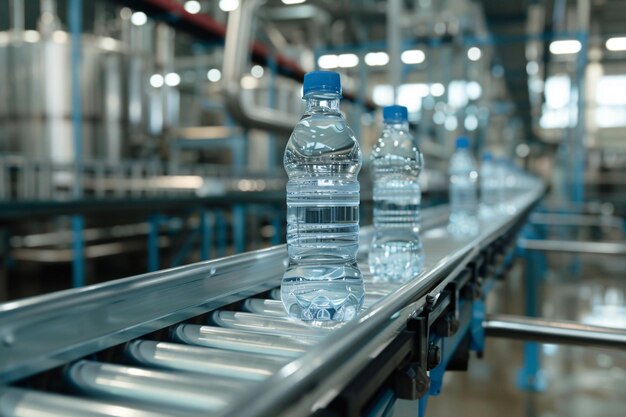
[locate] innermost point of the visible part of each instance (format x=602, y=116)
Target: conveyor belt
x=212, y=338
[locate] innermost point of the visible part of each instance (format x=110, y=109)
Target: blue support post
x=239, y=228
x=78, y=250
x=271, y=102
x=153, y=242
x=277, y=222
x=206, y=240
x=186, y=248
x=221, y=234
x=75, y=15
x=531, y=377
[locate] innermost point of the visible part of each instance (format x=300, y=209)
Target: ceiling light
x=474, y=53
x=328, y=61
x=347, y=60
x=172, y=79
x=570, y=46
x=376, y=59
x=437, y=89
x=249, y=83
x=451, y=123
x=473, y=90
x=616, y=44
x=228, y=5
x=214, y=75
x=293, y=1
x=192, y=6
x=413, y=56
x=257, y=71
x=138, y=18
x=156, y=80
x=471, y=122
x=532, y=68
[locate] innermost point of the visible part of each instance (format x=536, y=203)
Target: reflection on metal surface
x=265, y=307
x=204, y=360
x=17, y=402
x=268, y=325
x=242, y=340
x=180, y=390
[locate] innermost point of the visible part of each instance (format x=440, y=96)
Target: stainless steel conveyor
x=212, y=338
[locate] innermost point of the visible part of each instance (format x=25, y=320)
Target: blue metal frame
x=75, y=12
x=154, y=223
x=531, y=377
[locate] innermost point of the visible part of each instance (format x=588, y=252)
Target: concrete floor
x=580, y=381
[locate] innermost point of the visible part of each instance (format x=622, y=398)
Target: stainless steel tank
x=35, y=100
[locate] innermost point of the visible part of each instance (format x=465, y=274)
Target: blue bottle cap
x=462, y=142
x=322, y=82
x=487, y=156
x=395, y=114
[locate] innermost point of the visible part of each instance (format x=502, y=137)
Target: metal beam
x=594, y=248
x=553, y=331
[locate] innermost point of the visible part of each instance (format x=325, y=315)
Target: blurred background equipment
x=141, y=135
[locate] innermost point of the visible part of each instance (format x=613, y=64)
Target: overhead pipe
x=236, y=60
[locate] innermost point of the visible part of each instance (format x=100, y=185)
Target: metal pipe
x=49, y=20
x=553, y=331
x=595, y=248
x=16, y=8
x=236, y=57
x=394, y=10
x=552, y=219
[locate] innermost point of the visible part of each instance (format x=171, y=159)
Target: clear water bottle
x=489, y=187
x=322, y=282
x=463, y=190
x=508, y=185
x=396, y=253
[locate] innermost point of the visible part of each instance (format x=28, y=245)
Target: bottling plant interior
x=312, y=208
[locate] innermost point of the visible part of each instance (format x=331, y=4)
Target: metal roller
x=174, y=389
x=17, y=402
x=267, y=325
x=245, y=366
x=554, y=331
x=241, y=340
x=265, y=307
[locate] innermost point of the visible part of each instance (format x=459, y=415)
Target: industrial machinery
x=213, y=339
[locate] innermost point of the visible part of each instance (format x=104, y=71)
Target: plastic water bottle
x=489, y=187
x=396, y=253
x=508, y=185
x=322, y=282
x=463, y=191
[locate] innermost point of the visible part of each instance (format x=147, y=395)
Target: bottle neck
x=397, y=126
x=322, y=103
